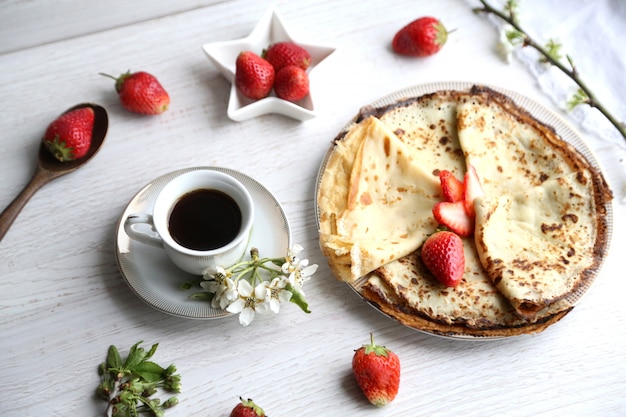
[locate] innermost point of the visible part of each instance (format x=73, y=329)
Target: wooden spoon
x=49, y=168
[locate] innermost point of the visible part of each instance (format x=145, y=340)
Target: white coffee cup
x=185, y=221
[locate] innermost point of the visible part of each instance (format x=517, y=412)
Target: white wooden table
x=63, y=300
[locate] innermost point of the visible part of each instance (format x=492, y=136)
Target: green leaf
x=149, y=371
x=298, y=298
x=114, y=360
x=278, y=261
x=515, y=37
x=136, y=354
x=186, y=285
x=511, y=6
x=579, y=97
x=553, y=49
x=190, y=284
x=202, y=296
x=151, y=352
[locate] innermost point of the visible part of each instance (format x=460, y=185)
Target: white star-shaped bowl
x=268, y=31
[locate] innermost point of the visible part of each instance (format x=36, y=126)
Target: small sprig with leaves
x=128, y=386
x=257, y=285
x=513, y=35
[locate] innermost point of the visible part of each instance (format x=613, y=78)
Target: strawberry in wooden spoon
x=49, y=168
x=69, y=136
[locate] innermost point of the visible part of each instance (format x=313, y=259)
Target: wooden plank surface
x=63, y=300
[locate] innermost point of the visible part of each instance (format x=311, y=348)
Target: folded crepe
x=540, y=228
x=386, y=210
x=538, y=246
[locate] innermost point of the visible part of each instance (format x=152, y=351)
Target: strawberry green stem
x=373, y=348
x=118, y=80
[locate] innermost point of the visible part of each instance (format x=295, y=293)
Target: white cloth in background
x=593, y=34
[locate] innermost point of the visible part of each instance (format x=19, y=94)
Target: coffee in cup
x=201, y=218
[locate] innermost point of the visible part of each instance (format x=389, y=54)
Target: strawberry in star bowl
x=269, y=31
x=254, y=76
x=283, y=54
x=292, y=83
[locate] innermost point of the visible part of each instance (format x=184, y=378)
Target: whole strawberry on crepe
x=377, y=372
x=69, y=136
x=141, y=92
x=443, y=255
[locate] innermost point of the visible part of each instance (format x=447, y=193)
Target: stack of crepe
x=542, y=227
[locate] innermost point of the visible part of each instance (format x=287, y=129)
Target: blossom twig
x=128, y=386
x=550, y=54
x=258, y=285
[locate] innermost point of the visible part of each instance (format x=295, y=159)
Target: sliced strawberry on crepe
x=473, y=190
x=451, y=187
x=454, y=217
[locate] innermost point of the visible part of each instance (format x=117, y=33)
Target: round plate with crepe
x=542, y=227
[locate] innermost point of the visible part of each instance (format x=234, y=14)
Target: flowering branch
x=128, y=386
x=550, y=54
x=258, y=285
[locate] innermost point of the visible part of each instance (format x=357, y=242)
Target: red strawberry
x=443, y=255
x=282, y=54
x=247, y=408
x=451, y=186
x=454, y=217
x=292, y=83
x=254, y=76
x=422, y=37
x=377, y=371
x=141, y=92
x=473, y=190
x=69, y=136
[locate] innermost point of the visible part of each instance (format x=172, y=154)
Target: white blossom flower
x=277, y=293
x=505, y=45
x=251, y=287
x=250, y=301
x=223, y=287
x=294, y=251
x=299, y=270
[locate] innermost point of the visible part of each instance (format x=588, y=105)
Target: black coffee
x=205, y=219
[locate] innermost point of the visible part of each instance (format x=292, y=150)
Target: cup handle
x=142, y=236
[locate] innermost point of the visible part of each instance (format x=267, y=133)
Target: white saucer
x=156, y=280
